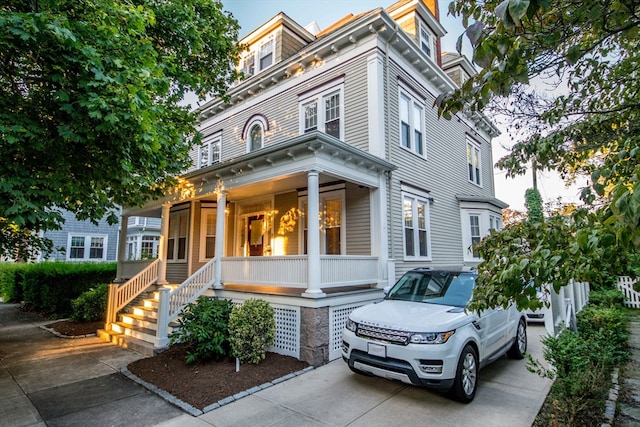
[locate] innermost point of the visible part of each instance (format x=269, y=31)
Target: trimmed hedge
x=49, y=287
x=11, y=281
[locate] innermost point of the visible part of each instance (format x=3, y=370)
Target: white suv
x=422, y=334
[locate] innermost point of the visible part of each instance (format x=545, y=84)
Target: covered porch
x=245, y=223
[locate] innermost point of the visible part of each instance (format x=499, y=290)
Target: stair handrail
x=191, y=289
x=121, y=295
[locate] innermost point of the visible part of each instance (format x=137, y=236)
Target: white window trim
x=175, y=216
x=264, y=125
x=318, y=95
x=210, y=143
x=485, y=216
x=255, y=51
x=474, y=147
x=414, y=101
x=426, y=200
x=87, y=246
x=203, y=231
x=431, y=42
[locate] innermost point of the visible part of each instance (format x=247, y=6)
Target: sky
x=253, y=13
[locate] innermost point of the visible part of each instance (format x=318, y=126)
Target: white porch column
x=162, y=244
x=122, y=247
x=221, y=206
x=379, y=235
x=313, y=237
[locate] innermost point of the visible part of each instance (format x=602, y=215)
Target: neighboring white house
x=324, y=176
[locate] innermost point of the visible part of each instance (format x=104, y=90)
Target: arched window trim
x=261, y=121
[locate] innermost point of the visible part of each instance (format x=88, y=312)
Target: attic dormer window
x=261, y=54
x=426, y=43
x=266, y=53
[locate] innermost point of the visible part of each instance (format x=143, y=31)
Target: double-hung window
x=323, y=109
x=411, y=123
x=476, y=224
x=87, y=248
x=177, y=239
x=474, y=163
x=425, y=41
x=416, y=227
x=260, y=57
x=208, y=234
x=209, y=151
x=332, y=227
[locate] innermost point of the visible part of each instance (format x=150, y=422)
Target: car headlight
x=430, y=337
x=351, y=325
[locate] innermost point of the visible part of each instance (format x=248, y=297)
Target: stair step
x=143, y=311
x=129, y=342
x=143, y=321
x=144, y=334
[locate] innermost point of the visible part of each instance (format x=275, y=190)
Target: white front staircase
x=137, y=327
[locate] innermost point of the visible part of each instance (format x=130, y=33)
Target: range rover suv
x=422, y=334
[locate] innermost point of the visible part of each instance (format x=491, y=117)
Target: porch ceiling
x=277, y=168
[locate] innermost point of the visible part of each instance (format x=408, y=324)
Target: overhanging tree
x=90, y=114
x=589, y=50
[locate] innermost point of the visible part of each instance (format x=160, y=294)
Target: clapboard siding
x=358, y=220
x=442, y=172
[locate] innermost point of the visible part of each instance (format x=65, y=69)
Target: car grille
x=382, y=334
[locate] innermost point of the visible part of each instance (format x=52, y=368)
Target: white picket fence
x=631, y=297
x=564, y=305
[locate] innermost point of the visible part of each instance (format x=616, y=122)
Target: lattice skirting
x=337, y=321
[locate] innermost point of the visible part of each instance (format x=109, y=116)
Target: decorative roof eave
x=323, y=47
x=482, y=199
x=281, y=19
x=314, y=143
x=462, y=61
x=398, y=10
x=376, y=21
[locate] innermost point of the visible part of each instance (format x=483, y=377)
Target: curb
x=191, y=410
x=610, y=404
x=59, y=335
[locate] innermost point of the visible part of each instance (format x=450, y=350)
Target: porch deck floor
x=282, y=290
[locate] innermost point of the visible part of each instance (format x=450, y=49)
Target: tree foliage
x=90, y=92
x=588, y=52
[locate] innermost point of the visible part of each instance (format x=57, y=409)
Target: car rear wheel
x=519, y=346
x=466, y=381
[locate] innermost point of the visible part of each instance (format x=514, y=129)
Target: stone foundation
x=314, y=335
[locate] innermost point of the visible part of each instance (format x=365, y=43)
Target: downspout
x=388, y=144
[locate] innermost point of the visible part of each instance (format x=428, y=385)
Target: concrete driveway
x=508, y=395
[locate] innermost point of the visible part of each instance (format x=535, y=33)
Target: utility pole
x=534, y=170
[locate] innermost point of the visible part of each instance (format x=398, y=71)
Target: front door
x=255, y=235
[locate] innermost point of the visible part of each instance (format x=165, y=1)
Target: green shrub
x=608, y=297
x=91, y=305
x=204, y=326
x=252, y=328
x=608, y=326
x=49, y=287
x=11, y=281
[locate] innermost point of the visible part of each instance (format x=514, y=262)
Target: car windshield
x=434, y=287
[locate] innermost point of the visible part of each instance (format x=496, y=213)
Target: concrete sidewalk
x=46, y=380
x=51, y=381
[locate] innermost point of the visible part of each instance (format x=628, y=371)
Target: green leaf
x=517, y=9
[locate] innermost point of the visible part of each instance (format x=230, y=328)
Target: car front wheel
x=466, y=381
x=519, y=346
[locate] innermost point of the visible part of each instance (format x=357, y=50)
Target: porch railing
x=172, y=301
x=121, y=295
x=291, y=271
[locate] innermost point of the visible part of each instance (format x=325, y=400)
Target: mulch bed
x=204, y=383
x=200, y=384
x=70, y=328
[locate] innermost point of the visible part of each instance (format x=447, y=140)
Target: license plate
x=377, y=350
